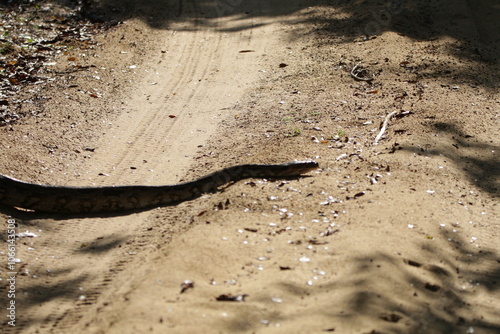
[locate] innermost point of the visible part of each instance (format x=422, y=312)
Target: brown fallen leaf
x=285, y=268
x=362, y=193
x=186, y=285
x=231, y=298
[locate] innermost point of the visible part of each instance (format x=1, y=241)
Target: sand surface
x=399, y=236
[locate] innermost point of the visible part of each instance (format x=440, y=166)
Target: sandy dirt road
x=399, y=237
x=183, y=89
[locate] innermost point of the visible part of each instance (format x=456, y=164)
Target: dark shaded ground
x=32, y=35
x=421, y=20
x=33, y=32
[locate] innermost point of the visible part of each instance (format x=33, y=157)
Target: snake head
x=300, y=167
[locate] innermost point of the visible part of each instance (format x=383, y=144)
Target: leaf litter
x=33, y=36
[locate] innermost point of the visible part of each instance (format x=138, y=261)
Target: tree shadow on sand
x=38, y=284
x=478, y=160
x=472, y=25
x=398, y=294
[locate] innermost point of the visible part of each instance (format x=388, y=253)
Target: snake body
x=62, y=199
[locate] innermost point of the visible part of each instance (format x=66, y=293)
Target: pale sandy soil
x=398, y=237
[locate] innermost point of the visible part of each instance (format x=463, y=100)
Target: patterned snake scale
x=60, y=199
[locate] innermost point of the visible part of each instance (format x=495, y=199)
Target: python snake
x=61, y=199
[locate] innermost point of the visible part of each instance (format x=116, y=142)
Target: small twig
x=354, y=74
x=384, y=127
